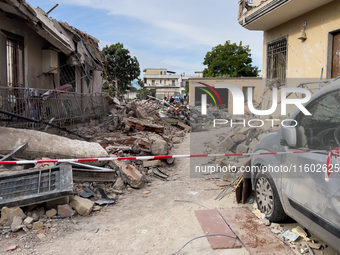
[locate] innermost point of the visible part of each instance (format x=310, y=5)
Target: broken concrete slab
x=28, y=220
x=130, y=174
x=180, y=134
x=227, y=144
x=39, y=145
x=241, y=148
x=16, y=224
x=65, y=210
x=119, y=184
x=176, y=140
x=239, y=138
x=159, y=146
x=83, y=206
x=145, y=125
x=7, y=214
x=152, y=163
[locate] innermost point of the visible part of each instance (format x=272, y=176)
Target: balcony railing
x=64, y=107
x=162, y=85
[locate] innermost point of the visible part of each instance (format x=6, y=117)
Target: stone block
x=83, y=206
x=65, y=210
x=152, y=163
x=7, y=214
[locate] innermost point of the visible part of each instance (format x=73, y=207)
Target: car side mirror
x=289, y=137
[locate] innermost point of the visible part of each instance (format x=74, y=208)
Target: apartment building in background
x=164, y=82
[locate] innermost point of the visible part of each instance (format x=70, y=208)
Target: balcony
x=264, y=15
x=159, y=76
x=160, y=85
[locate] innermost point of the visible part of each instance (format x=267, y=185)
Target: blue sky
x=169, y=34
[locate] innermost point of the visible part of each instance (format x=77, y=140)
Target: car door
x=305, y=185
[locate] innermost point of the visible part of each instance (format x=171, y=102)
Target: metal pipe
x=90, y=167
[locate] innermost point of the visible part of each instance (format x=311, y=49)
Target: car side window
x=321, y=130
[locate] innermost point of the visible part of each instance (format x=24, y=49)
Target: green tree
x=122, y=69
x=229, y=60
x=143, y=93
x=186, y=88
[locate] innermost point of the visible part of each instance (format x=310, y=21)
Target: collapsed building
x=40, y=55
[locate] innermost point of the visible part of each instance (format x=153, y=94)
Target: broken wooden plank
x=212, y=223
x=255, y=236
x=238, y=190
x=246, y=190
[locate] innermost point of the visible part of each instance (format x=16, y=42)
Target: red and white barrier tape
x=22, y=162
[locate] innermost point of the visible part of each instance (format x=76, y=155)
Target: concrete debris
x=119, y=184
x=16, y=224
x=65, y=210
x=298, y=230
x=152, y=163
x=28, y=220
x=39, y=145
x=7, y=215
x=132, y=129
x=130, y=174
x=51, y=213
x=38, y=225
x=83, y=206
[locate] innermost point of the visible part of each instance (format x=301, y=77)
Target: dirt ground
x=138, y=223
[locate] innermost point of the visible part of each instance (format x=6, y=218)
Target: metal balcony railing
x=38, y=104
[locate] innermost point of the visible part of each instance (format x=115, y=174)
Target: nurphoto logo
x=238, y=100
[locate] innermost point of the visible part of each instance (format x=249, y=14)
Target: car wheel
x=267, y=198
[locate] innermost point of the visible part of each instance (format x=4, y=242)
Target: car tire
x=267, y=198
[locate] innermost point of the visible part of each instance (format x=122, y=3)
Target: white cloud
x=190, y=27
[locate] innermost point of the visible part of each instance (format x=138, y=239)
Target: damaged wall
x=78, y=55
x=33, y=45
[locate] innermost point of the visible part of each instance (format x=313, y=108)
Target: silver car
x=297, y=184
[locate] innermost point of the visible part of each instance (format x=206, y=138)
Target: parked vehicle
x=298, y=187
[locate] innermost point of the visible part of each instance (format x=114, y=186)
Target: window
x=12, y=46
x=153, y=82
x=173, y=82
x=160, y=81
x=277, y=59
x=161, y=72
x=245, y=93
x=320, y=131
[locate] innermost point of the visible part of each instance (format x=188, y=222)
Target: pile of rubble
x=38, y=194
